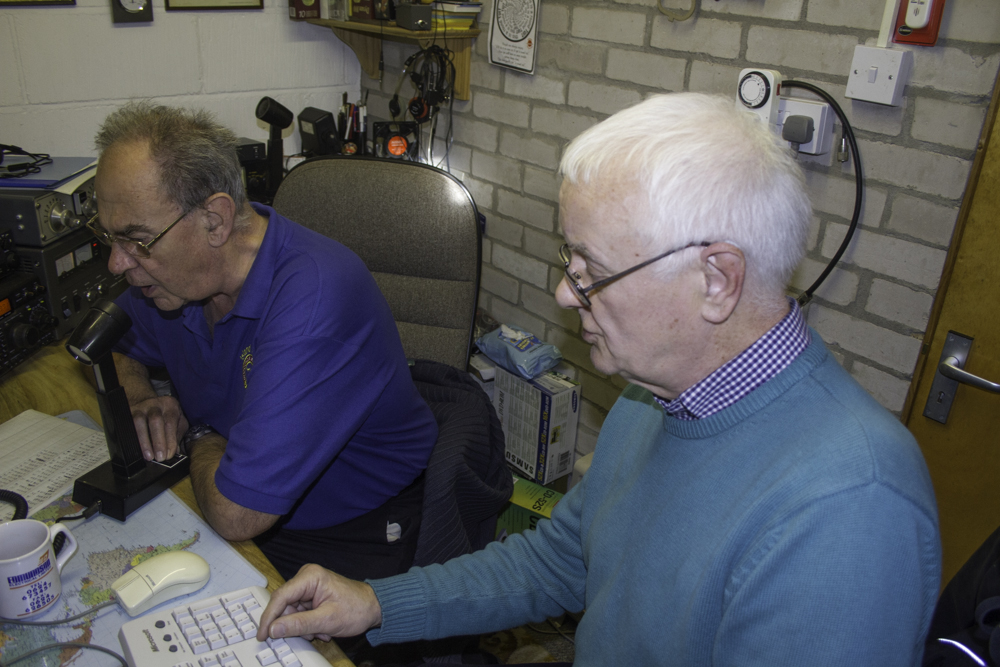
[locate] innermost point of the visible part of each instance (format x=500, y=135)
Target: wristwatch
x=193, y=433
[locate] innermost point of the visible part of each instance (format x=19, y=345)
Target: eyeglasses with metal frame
x=131, y=246
x=574, y=278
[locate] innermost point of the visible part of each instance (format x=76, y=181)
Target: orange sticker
x=4, y=307
x=396, y=145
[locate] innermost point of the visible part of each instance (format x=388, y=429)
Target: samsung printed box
x=528, y=504
x=539, y=419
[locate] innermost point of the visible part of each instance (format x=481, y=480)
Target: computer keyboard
x=213, y=632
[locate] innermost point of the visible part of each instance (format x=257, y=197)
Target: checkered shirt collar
x=757, y=364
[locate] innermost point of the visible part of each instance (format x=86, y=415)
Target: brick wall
x=595, y=58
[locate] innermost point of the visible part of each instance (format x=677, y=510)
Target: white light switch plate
x=878, y=75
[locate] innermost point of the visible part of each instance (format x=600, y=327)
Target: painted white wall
x=64, y=68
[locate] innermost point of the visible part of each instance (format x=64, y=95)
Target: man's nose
x=565, y=296
x=120, y=261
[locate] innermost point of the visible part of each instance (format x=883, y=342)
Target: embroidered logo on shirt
x=247, y=357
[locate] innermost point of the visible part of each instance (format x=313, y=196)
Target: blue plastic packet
x=519, y=351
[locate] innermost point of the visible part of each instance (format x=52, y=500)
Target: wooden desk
x=53, y=382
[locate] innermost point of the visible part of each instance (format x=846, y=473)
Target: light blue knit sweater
x=796, y=527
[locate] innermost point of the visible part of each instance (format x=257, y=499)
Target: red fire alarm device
x=918, y=22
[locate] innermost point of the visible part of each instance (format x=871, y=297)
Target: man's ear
x=221, y=215
x=724, y=267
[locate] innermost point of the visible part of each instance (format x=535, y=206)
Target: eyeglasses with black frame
x=574, y=278
x=131, y=246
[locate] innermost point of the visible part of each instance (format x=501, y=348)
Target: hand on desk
x=317, y=603
x=159, y=423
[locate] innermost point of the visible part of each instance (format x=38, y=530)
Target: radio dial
x=24, y=336
x=60, y=217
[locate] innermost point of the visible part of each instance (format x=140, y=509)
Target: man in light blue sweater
x=748, y=502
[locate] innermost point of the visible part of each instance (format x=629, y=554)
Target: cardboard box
x=300, y=10
x=528, y=503
x=539, y=419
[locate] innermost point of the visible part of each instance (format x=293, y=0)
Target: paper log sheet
x=41, y=456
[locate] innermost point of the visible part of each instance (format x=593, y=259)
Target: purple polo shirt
x=305, y=377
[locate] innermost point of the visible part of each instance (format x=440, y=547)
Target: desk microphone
x=127, y=481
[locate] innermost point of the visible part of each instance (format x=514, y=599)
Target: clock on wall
x=131, y=11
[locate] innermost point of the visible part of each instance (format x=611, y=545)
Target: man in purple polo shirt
x=293, y=396
x=748, y=502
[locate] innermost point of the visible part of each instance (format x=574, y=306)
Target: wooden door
x=964, y=454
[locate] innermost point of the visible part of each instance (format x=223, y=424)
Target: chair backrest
x=416, y=227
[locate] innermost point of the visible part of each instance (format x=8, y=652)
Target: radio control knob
x=24, y=336
x=88, y=204
x=60, y=217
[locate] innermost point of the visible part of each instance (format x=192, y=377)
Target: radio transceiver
x=52, y=269
x=37, y=217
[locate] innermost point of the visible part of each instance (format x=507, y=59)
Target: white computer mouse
x=160, y=578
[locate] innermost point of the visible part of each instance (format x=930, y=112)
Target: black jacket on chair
x=467, y=480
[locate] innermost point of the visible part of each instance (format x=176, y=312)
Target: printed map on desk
x=107, y=549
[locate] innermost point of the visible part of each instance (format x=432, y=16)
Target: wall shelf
x=364, y=38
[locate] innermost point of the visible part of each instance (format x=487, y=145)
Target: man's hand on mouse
x=317, y=603
x=159, y=423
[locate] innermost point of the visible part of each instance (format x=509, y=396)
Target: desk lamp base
x=120, y=496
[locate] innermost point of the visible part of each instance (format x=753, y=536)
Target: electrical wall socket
x=878, y=75
x=822, y=117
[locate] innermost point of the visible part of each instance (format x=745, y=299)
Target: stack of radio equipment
x=52, y=268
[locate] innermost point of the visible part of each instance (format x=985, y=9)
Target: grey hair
x=709, y=172
x=196, y=155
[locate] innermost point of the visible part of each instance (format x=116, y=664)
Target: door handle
x=948, y=375
x=949, y=368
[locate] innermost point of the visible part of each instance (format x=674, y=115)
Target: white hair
x=710, y=172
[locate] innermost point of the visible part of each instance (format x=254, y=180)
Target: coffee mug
x=29, y=568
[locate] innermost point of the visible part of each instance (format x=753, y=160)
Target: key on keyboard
x=213, y=632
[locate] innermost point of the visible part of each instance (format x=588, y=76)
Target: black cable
x=21, y=169
x=85, y=514
x=49, y=647
x=60, y=539
x=18, y=501
x=806, y=296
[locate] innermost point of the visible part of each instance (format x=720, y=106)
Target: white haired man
x=748, y=502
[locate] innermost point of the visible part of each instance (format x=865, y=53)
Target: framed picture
x=186, y=5
x=34, y=3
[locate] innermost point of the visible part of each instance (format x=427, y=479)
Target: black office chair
x=417, y=230
x=415, y=227
x=967, y=615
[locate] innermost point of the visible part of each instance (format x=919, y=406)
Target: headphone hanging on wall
x=433, y=74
